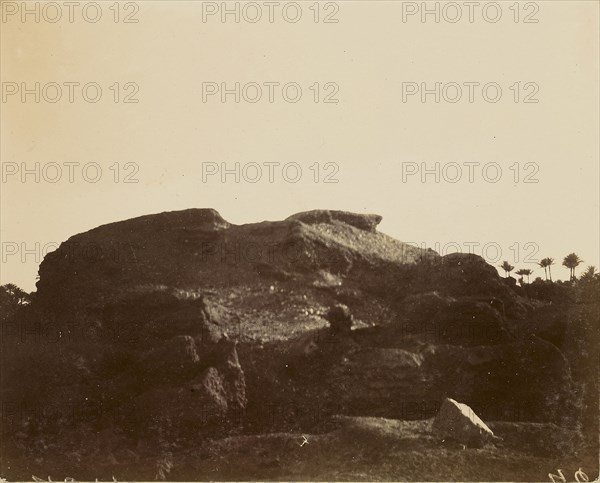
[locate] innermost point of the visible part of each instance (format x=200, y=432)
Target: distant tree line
x=571, y=261
x=12, y=298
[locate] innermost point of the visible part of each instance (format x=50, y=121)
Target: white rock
x=458, y=421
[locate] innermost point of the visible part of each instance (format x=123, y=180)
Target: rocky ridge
x=181, y=326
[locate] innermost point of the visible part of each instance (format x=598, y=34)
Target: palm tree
x=15, y=293
x=589, y=274
x=520, y=273
x=525, y=272
x=546, y=263
x=507, y=267
x=550, y=263
x=571, y=261
x=12, y=296
x=11, y=288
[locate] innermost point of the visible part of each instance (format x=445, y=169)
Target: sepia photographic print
x=311, y=240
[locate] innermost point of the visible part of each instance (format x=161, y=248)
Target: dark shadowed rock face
x=459, y=321
x=146, y=362
x=210, y=398
x=408, y=377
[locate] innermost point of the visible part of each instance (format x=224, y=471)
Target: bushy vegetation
x=12, y=298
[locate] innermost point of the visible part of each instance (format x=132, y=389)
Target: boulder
x=340, y=318
x=458, y=421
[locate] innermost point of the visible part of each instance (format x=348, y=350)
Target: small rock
x=339, y=318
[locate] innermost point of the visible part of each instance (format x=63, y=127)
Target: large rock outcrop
x=178, y=326
x=197, y=248
x=182, y=279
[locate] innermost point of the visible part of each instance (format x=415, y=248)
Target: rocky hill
x=197, y=248
x=151, y=336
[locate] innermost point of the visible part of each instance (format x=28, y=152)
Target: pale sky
x=171, y=53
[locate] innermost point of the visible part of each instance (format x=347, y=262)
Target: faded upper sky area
x=516, y=92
